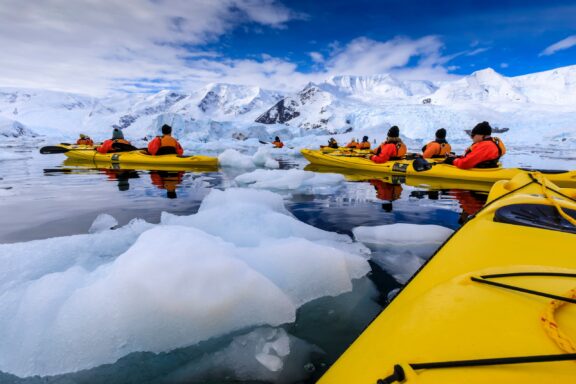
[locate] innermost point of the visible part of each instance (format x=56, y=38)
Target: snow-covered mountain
x=542, y=103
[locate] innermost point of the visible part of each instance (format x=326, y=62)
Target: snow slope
x=539, y=107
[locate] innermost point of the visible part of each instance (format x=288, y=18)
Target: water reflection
x=164, y=177
x=122, y=176
x=167, y=180
x=387, y=192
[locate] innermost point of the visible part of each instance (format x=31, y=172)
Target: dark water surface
x=42, y=197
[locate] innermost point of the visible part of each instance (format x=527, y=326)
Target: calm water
x=44, y=196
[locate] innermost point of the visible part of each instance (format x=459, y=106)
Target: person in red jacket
x=438, y=148
x=116, y=144
x=165, y=144
x=484, y=152
x=392, y=149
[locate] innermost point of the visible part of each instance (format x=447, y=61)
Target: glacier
x=537, y=108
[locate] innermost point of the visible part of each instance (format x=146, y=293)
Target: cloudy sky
x=99, y=47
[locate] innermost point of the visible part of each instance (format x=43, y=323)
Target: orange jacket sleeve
x=479, y=152
x=105, y=147
x=386, y=152
x=179, y=149
x=154, y=146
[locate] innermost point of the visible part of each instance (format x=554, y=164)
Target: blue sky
x=506, y=35
x=147, y=45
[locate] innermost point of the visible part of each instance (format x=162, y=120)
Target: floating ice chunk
x=21, y=263
x=182, y=281
x=263, y=158
x=102, y=223
x=292, y=179
x=241, y=261
x=263, y=355
x=401, y=249
x=246, y=217
x=400, y=264
x=402, y=234
x=327, y=271
x=233, y=158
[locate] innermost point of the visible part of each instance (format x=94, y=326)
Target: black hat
x=482, y=128
x=276, y=138
x=365, y=138
x=441, y=133
x=166, y=129
x=394, y=131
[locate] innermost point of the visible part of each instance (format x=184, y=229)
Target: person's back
x=277, y=143
x=365, y=144
x=439, y=148
x=84, y=140
x=484, y=152
x=116, y=144
x=165, y=144
x=392, y=149
x=353, y=144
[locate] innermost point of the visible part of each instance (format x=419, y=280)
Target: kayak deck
x=448, y=313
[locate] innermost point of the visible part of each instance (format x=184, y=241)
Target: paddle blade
x=50, y=149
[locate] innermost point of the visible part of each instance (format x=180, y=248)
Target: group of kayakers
x=160, y=145
x=485, y=151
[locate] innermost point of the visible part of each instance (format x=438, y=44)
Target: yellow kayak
x=136, y=157
x=80, y=163
x=495, y=304
x=345, y=150
x=438, y=170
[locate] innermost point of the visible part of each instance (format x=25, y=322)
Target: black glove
x=449, y=160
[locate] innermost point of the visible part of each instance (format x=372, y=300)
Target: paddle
x=50, y=149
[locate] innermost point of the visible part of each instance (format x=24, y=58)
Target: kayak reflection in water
x=387, y=192
x=471, y=202
x=167, y=180
x=122, y=176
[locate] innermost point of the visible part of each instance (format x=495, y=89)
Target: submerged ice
x=243, y=260
x=402, y=248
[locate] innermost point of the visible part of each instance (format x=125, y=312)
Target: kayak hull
x=443, y=315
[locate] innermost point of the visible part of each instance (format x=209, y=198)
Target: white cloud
x=566, y=43
x=95, y=47
x=364, y=56
x=316, y=57
x=85, y=45
x=476, y=51
x=504, y=65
